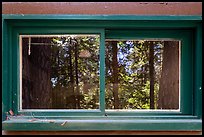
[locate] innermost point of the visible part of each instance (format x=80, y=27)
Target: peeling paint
x=63, y=123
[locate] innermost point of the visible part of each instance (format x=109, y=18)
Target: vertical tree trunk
x=146, y=66
x=169, y=82
x=37, y=74
x=115, y=75
x=76, y=73
x=72, y=95
x=151, y=73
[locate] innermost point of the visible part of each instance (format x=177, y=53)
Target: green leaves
x=75, y=72
x=133, y=74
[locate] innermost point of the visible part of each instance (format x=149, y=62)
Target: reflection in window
x=142, y=74
x=60, y=72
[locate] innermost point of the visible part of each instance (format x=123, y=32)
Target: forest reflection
x=142, y=74
x=62, y=72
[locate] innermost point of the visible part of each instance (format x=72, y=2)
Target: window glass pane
x=60, y=72
x=142, y=74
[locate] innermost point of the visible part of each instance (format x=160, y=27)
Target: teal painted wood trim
x=15, y=55
x=9, y=59
x=105, y=23
x=16, y=67
x=90, y=117
x=63, y=113
x=169, y=34
x=174, y=27
x=173, y=34
x=186, y=74
x=6, y=69
x=99, y=17
x=59, y=113
x=57, y=30
x=198, y=73
x=104, y=124
x=102, y=72
x=5, y=72
x=186, y=66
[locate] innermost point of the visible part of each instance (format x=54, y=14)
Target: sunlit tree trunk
x=146, y=66
x=115, y=75
x=169, y=82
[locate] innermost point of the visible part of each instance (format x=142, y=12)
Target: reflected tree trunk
x=169, y=82
x=36, y=74
x=71, y=96
x=76, y=73
x=115, y=75
x=146, y=66
x=54, y=92
x=151, y=73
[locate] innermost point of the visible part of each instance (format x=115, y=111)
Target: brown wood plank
x=138, y=8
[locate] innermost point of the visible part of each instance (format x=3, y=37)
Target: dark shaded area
x=36, y=68
x=169, y=82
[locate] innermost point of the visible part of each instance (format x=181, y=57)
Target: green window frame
x=188, y=29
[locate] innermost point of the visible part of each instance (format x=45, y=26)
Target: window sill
x=103, y=123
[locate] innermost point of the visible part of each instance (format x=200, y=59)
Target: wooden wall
x=136, y=8
x=139, y=8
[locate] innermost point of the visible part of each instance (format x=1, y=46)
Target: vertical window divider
x=102, y=72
